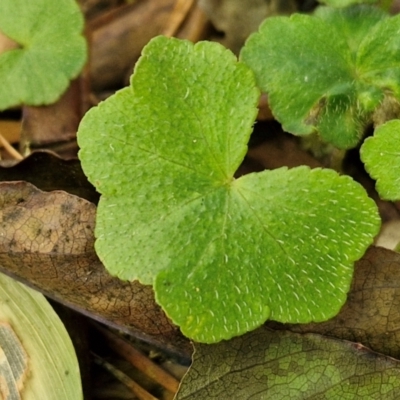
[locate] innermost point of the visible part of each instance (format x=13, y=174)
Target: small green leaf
x=42, y=351
x=266, y=364
x=52, y=50
x=378, y=57
x=381, y=156
x=223, y=254
x=327, y=73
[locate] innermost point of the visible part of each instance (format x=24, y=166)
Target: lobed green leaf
x=223, y=254
x=51, y=52
x=327, y=73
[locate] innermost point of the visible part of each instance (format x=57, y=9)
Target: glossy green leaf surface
x=327, y=73
x=381, y=156
x=223, y=254
x=51, y=50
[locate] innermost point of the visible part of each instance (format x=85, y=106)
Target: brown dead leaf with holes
x=46, y=241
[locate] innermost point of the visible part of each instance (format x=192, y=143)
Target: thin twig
x=178, y=15
x=138, y=391
x=196, y=26
x=10, y=150
x=141, y=362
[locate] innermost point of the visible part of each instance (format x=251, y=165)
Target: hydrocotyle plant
x=333, y=73
x=222, y=254
x=51, y=50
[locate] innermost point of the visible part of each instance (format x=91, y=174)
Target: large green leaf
x=37, y=347
x=381, y=155
x=52, y=50
x=327, y=73
x=223, y=254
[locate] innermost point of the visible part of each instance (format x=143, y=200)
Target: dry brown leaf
x=118, y=37
x=6, y=43
x=54, y=123
x=266, y=364
x=236, y=19
x=46, y=240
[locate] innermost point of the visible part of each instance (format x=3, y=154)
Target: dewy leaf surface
x=223, y=254
x=327, y=73
x=381, y=156
x=266, y=364
x=52, y=50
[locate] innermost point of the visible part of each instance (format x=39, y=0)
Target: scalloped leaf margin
x=381, y=156
x=223, y=254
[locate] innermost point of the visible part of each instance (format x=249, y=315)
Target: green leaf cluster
x=222, y=254
x=332, y=73
x=51, y=51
